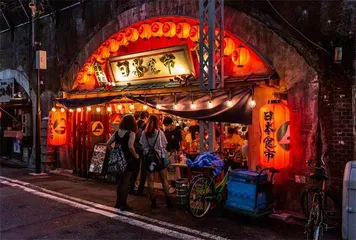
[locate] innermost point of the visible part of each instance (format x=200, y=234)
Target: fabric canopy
x=239, y=112
x=83, y=102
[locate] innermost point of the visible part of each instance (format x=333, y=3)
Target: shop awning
x=239, y=112
x=83, y=102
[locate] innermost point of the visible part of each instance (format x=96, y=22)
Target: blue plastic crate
x=242, y=196
x=248, y=176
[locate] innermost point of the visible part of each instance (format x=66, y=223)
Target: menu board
x=97, y=160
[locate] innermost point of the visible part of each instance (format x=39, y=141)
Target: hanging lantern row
x=183, y=30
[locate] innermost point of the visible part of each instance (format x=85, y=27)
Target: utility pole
x=33, y=8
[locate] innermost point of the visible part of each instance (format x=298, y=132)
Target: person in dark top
x=141, y=125
x=173, y=135
x=125, y=136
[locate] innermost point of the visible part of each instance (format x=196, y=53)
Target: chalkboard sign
x=98, y=158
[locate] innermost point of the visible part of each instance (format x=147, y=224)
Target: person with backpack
x=154, y=145
x=124, y=139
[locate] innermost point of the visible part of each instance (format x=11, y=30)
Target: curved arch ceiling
x=164, y=32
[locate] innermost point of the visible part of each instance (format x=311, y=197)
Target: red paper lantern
x=194, y=33
x=131, y=34
x=88, y=68
x=122, y=39
x=145, y=31
x=229, y=46
x=183, y=29
x=104, y=53
x=57, y=128
x=275, y=140
x=169, y=29
x=240, y=56
x=156, y=29
x=113, y=45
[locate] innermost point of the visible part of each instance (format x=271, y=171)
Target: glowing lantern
x=169, y=29
x=88, y=68
x=194, y=33
x=156, y=29
x=240, y=56
x=275, y=129
x=131, y=34
x=104, y=53
x=122, y=39
x=183, y=29
x=57, y=128
x=145, y=31
x=96, y=57
x=113, y=45
x=229, y=46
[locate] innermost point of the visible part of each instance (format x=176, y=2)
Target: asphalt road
x=57, y=207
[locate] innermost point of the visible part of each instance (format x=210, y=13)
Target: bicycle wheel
x=332, y=208
x=200, y=196
x=315, y=216
x=318, y=233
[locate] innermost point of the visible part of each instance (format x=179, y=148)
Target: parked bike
x=319, y=206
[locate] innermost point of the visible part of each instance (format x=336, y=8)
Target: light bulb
x=229, y=103
x=145, y=107
x=175, y=106
x=158, y=106
x=62, y=110
x=252, y=103
x=113, y=84
x=70, y=110
x=119, y=106
x=79, y=109
x=132, y=107
x=88, y=108
x=109, y=109
x=193, y=105
x=109, y=83
x=98, y=109
x=210, y=104
x=53, y=109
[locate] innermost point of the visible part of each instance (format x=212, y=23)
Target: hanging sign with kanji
x=157, y=65
x=275, y=131
x=100, y=74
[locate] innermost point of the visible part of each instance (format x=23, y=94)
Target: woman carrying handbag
x=126, y=158
x=154, y=145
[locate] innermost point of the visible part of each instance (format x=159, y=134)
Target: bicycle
x=203, y=192
x=324, y=211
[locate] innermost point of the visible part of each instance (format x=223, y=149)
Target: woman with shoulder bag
x=125, y=137
x=154, y=145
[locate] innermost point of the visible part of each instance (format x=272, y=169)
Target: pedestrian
x=141, y=124
x=154, y=145
x=125, y=136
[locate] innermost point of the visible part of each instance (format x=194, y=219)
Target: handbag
x=117, y=161
x=153, y=162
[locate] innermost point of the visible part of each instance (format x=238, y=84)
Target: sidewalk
x=232, y=226
x=14, y=163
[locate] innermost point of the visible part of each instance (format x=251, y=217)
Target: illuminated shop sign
x=6, y=89
x=157, y=65
x=100, y=74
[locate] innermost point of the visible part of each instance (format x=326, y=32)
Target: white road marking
x=123, y=216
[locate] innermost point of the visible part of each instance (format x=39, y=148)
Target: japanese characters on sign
x=162, y=64
x=269, y=140
x=100, y=74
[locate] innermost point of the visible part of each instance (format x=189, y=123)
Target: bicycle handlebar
x=322, y=166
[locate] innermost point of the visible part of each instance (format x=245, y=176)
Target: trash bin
x=182, y=189
x=349, y=202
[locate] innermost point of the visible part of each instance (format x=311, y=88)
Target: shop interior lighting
x=98, y=109
x=113, y=84
x=63, y=110
x=175, y=106
x=53, y=109
x=71, y=110
x=145, y=107
x=109, y=109
x=119, y=107
x=252, y=103
x=229, y=102
x=79, y=109
x=132, y=106
x=88, y=108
